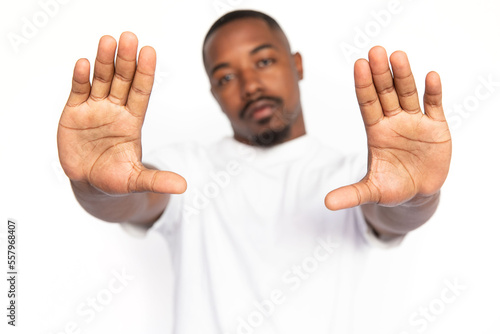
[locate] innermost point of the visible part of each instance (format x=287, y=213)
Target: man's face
x=254, y=78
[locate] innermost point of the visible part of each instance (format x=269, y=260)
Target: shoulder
x=329, y=154
x=176, y=156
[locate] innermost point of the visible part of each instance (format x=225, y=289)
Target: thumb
x=350, y=196
x=153, y=180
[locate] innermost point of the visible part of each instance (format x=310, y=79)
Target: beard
x=271, y=137
x=273, y=133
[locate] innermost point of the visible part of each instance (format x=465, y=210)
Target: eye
x=225, y=79
x=265, y=62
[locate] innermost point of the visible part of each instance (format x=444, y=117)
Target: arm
x=99, y=136
x=409, y=151
x=138, y=208
x=390, y=222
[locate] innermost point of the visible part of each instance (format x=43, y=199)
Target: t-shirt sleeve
x=165, y=224
x=358, y=171
x=172, y=157
x=170, y=218
x=369, y=236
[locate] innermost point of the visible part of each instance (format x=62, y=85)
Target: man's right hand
x=99, y=133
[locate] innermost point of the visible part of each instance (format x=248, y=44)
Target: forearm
x=399, y=220
x=138, y=208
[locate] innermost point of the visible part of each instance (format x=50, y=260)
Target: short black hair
x=237, y=15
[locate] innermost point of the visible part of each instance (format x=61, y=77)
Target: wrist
x=85, y=188
x=85, y=192
x=422, y=200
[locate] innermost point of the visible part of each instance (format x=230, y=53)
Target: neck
x=299, y=128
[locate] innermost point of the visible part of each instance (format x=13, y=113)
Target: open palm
x=99, y=133
x=409, y=152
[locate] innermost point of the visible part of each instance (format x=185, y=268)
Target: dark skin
x=251, y=70
x=249, y=65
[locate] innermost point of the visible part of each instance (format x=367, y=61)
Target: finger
x=125, y=68
x=80, y=88
x=404, y=82
x=368, y=101
x=350, y=196
x=382, y=78
x=433, y=97
x=142, y=85
x=152, y=180
x=104, y=68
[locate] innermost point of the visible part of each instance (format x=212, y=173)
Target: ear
x=298, y=65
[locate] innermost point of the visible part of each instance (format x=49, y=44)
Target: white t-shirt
x=254, y=249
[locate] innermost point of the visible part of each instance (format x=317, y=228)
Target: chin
x=270, y=137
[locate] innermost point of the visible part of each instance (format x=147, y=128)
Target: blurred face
x=254, y=78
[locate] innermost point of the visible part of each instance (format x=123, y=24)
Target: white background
x=66, y=256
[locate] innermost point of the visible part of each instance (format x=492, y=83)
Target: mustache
x=277, y=100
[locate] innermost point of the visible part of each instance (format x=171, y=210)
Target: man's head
x=254, y=77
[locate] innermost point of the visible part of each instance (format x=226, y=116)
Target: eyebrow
x=252, y=52
x=219, y=66
x=263, y=46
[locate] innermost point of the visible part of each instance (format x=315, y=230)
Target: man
x=249, y=233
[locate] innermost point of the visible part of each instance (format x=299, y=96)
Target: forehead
x=241, y=36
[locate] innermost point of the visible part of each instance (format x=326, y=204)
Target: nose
x=251, y=85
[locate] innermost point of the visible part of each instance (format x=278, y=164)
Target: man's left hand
x=409, y=151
